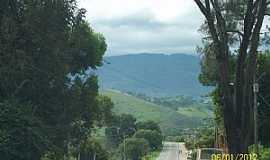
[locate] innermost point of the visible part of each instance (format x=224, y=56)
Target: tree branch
x=255, y=41
x=235, y=31
x=202, y=7
x=210, y=21
x=255, y=4
x=207, y=4
x=20, y=86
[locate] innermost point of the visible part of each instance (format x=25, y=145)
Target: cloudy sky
x=136, y=26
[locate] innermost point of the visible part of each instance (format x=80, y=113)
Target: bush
x=135, y=148
x=153, y=137
x=148, y=125
x=91, y=148
x=265, y=154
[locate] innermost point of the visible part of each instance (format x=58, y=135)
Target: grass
x=152, y=155
x=195, y=111
x=171, y=121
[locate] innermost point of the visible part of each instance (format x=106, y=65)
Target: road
x=173, y=151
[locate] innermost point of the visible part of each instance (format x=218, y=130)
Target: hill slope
x=153, y=74
x=171, y=121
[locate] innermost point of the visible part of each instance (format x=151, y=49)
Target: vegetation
x=124, y=131
x=233, y=24
x=171, y=123
x=91, y=148
x=264, y=99
x=171, y=102
x=152, y=156
x=148, y=125
x=47, y=110
x=203, y=137
x=121, y=127
x=51, y=109
x=265, y=154
x=135, y=148
x=153, y=137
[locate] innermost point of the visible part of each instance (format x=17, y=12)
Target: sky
x=146, y=26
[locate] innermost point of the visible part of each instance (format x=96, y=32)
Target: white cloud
x=134, y=26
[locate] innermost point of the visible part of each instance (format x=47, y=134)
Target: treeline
x=46, y=110
x=171, y=102
x=133, y=140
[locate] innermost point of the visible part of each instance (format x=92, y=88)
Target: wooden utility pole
x=255, y=90
x=125, y=148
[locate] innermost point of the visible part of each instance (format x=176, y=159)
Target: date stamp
x=234, y=157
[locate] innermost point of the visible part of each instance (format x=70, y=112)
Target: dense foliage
x=121, y=127
x=123, y=132
x=135, y=148
x=264, y=98
x=153, y=137
x=148, y=125
x=45, y=108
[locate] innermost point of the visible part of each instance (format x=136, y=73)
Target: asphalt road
x=173, y=151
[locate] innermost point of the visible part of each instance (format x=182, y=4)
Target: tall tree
x=45, y=46
x=121, y=127
x=234, y=24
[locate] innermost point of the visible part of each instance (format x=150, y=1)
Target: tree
x=46, y=93
x=134, y=148
x=206, y=138
x=91, y=149
x=21, y=132
x=148, y=125
x=263, y=65
x=153, y=137
x=121, y=127
x=228, y=23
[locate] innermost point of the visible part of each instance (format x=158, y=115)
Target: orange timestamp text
x=234, y=156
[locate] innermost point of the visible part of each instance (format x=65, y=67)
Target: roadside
x=173, y=151
x=152, y=156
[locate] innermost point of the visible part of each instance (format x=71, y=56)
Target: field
x=171, y=121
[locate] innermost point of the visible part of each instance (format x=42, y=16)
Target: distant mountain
x=153, y=74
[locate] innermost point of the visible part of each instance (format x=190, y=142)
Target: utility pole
x=95, y=155
x=125, y=147
x=255, y=91
x=178, y=150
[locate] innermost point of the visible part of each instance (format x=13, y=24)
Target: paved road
x=173, y=151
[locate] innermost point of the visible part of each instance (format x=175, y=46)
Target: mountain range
x=156, y=75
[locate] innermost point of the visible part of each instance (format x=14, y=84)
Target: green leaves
x=153, y=137
x=21, y=131
x=43, y=110
x=84, y=42
x=135, y=148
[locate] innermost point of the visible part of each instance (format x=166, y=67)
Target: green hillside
x=199, y=111
x=171, y=121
